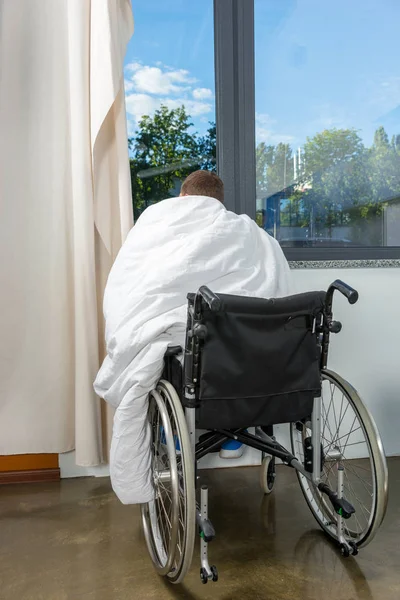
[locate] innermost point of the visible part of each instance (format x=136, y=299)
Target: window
x=302, y=122
x=169, y=83
x=327, y=100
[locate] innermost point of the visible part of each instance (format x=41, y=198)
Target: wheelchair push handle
x=350, y=293
x=211, y=299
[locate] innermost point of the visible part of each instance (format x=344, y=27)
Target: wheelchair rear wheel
x=349, y=437
x=169, y=521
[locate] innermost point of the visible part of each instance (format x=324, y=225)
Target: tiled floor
x=74, y=540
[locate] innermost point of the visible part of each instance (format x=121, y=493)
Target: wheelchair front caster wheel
x=214, y=573
x=203, y=576
x=345, y=552
x=354, y=548
x=267, y=474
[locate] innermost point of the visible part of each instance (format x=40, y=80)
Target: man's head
x=203, y=183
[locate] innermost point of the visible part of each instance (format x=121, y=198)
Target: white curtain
x=65, y=210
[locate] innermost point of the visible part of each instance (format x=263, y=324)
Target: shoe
x=231, y=449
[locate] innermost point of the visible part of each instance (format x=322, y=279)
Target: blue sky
x=319, y=64
x=170, y=59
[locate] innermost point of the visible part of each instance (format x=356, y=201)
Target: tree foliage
x=336, y=182
x=339, y=180
x=207, y=149
x=163, y=152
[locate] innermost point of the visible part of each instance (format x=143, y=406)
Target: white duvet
x=175, y=247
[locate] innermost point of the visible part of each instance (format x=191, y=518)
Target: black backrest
x=261, y=348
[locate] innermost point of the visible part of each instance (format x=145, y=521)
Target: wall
x=366, y=352
x=68, y=468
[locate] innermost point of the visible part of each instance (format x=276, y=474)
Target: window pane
x=328, y=122
x=169, y=84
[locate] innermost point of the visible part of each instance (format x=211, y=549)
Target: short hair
x=203, y=183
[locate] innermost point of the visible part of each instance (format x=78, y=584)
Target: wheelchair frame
x=267, y=445
x=263, y=439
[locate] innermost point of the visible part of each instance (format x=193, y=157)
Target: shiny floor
x=75, y=541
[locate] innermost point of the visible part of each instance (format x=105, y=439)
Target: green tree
x=264, y=160
x=396, y=143
x=163, y=152
x=335, y=167
x=381, y=139
x=207, y=149
x=280, y=174
x=274, y=169
x=340, y=182
x=384, y=166
x=330, y=148
x=350, y=183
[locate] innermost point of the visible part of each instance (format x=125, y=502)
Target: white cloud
x=148, y=87
x=193, y=107
x=269, y=137
x=138, y=105
x=265, y=131
x=155, y=80
x=128, y=86
x=202, y=94
x=133, y=67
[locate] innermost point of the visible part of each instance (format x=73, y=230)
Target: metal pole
x=316, y=439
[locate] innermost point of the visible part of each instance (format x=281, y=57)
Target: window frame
x=235, y=102
x=234, y=55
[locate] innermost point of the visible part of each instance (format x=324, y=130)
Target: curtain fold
x=66, y=208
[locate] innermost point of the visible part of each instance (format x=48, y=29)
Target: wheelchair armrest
x=173, y=351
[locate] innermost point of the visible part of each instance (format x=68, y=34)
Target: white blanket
x=176, y=246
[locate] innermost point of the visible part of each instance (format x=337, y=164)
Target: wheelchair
x=250, y=364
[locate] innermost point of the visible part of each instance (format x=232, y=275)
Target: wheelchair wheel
x=267, y=474
x=348, y=436
x=169, y=521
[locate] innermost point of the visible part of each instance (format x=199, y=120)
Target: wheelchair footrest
x=341, y=506
x=207, y=534
x=206, y=529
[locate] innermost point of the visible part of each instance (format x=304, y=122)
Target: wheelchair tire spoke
x=170, y=520
x=346, y=440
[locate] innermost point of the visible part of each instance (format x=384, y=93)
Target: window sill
x=388, y=263
x=358, y=255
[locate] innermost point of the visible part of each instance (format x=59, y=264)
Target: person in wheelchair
x=197, y=282
x=175, y=247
